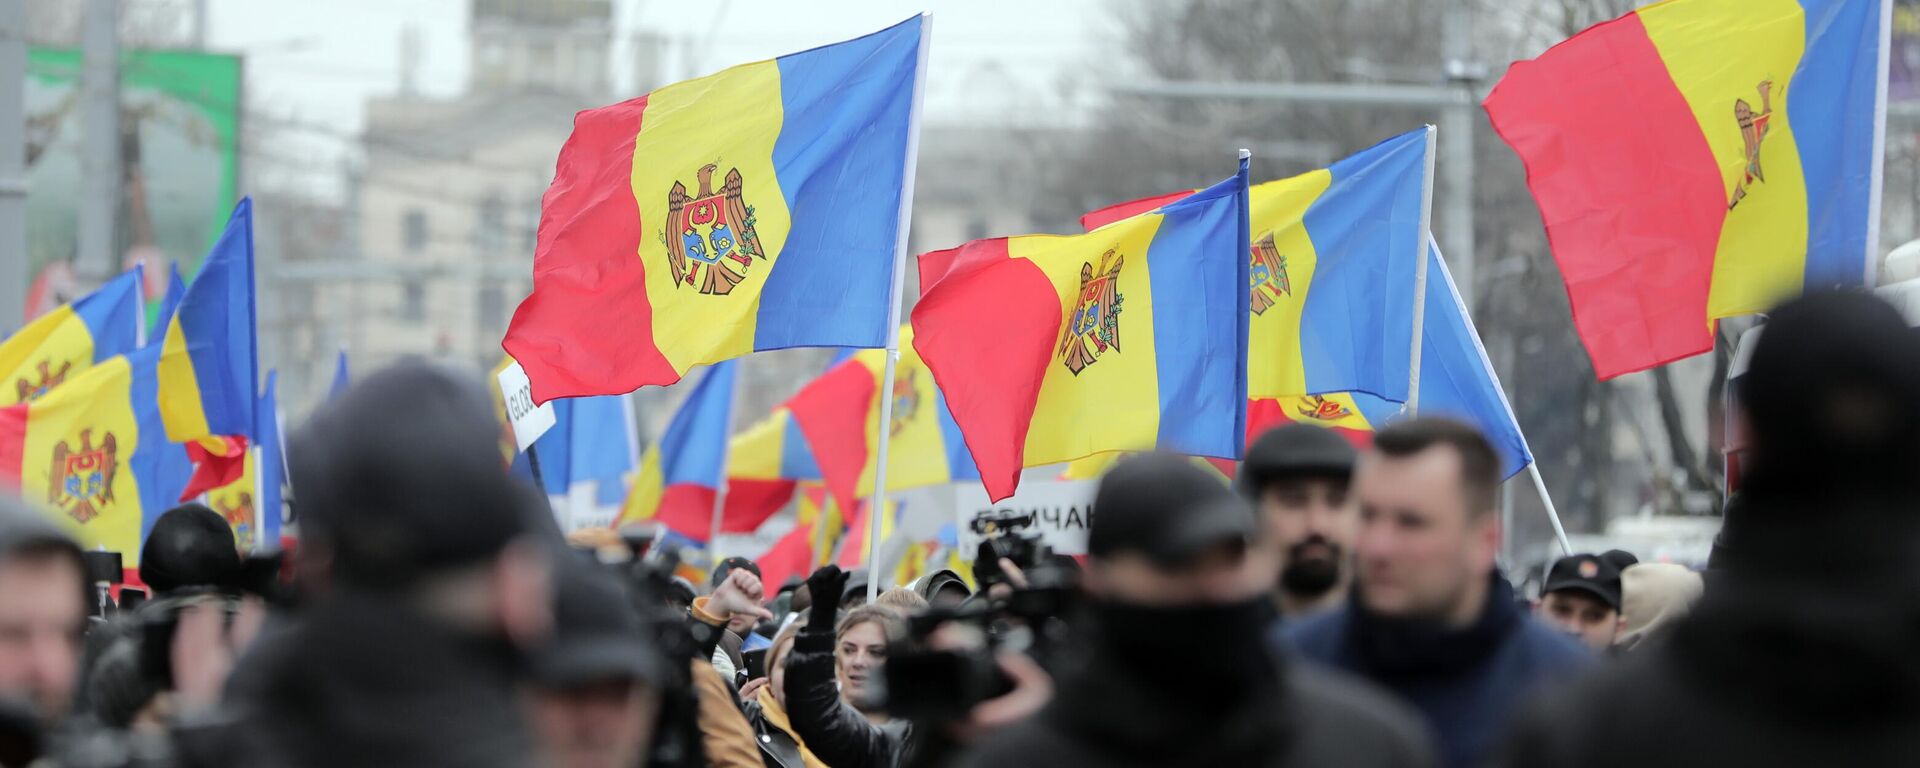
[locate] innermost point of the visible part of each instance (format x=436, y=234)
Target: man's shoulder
x=1549, y=651
x=1342, y=713
x=1314, y=636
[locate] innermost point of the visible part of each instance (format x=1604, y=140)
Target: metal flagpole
x=1420, y=280
x=878, y=507
x=1872, y=271
x=720, y=487
x=1553, y=515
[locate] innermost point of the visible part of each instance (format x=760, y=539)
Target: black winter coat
x=836, y=733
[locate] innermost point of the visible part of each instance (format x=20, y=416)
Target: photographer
x=841, y=735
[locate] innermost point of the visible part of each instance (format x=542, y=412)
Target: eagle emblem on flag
x=83, y=479
x=1319, y=408
x=1269, y=275
x=905, y=399
x=1753, y=130
x=29, y=390
x=709, y=237
x=1094, y=325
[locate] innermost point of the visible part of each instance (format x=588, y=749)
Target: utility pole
x=100, y=169
x=1456, y=104
x=13, y=165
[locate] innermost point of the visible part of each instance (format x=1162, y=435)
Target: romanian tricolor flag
x=1699, y=159
x=840, y=415
x=750, y=210
x=680, y=474
x=1130, y=337
x=1331, y=271
x=94, y=455
x=62, y=344
x=209, y=374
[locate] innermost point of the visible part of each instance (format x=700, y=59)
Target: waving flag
x=585, y=458
x=209, y=364
x=1129, y=337
x=341, y=378
x=271, y=471
x=1699, y=159
x=169, y=302
x=680, y=474
x=92, y=453
x=749, y=210
x=765, y=464
x=1331, y=267
x=62, y=344
x=840, y=415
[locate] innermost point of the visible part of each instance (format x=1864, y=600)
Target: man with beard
x=1297, y=476
x=1175, y=671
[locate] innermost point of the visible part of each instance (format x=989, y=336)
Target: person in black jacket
x=1173, y=669
x=1801, y=651
x=839, y=734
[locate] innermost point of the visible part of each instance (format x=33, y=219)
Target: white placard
x=529, y=421
x=1062, y=512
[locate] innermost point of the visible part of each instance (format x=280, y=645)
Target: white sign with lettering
x=529, y=421
x=1062, y=512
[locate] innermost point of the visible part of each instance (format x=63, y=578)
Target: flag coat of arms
x=839, y=413
x=1332, y=259
x=93, y=454
x=1130, y=337
x=753, y=209
x=1700, y=159
x=64, y=343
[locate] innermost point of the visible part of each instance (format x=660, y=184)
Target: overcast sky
x=318, y=62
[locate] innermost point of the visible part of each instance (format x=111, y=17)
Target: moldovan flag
x=60, y=345
x=209, y=365
x=765, y=463
x=1130, y=337
x=1699, y=159
x=90, y=453
x=750, y=210
x=680, y=474
x=1333, y=254
x=840, y=415
x=169, y=302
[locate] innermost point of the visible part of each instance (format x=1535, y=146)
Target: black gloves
x=826, y=586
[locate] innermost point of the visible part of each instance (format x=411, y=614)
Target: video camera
x=1006, y=534
x=946, y=665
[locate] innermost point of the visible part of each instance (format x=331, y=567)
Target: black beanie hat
x=190, y=546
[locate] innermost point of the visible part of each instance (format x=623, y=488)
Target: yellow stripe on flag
x=1721, y=54
x=1278, y=209
x=1115, y=403
x=181, y=410
x=75, y=459
x=53, y=348
x=738, y=109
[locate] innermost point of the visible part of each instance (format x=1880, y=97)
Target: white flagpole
x=1553, y=515
x=1420, y=280
x=720, y=489
x=1872, y=271
x=877, y=508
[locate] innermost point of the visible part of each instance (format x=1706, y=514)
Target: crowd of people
x=1330, y=607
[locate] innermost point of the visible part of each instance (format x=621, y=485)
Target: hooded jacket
x=1467, y=684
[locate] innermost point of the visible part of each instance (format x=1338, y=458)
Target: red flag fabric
x=213, y=469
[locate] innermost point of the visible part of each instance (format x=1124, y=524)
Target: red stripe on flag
x=587, y=329
x=831, y=412
x=1627, y=187
x=987, y=334
x=751, y=502
x=13, y=444
x=687, y=510
x=1096, y=219
x=789, y=558
x=213, y=470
